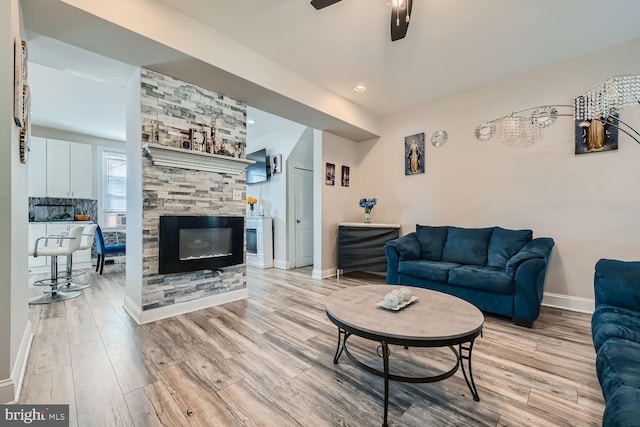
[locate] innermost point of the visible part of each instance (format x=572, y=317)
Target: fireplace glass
x=193, y=243
x=199, y=243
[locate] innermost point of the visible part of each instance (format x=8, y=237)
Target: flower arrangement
x=251, y=201
x=368, y=204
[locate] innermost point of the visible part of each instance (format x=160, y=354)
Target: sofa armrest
x=405, y=247
x=617, y=283
x=539, y=248
x=529, y=269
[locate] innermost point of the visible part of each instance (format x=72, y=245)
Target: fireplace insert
x=192, y=243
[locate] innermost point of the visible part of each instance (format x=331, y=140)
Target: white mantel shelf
x=171, y=157
x=368, y=225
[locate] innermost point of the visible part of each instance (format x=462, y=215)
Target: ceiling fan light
x=395, y=3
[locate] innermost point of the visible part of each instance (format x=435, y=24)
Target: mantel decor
x=162, y=155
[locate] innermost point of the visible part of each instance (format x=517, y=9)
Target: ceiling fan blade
x=399, y=21
x=320, y=4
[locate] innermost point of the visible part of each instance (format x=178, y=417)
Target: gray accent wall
x=173, y=107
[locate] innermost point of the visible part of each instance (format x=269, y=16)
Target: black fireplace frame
x=169, y=259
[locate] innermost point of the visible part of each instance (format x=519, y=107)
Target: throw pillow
x=467, y=246
x=431, y=241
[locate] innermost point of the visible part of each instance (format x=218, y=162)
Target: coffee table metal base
x=462, y=354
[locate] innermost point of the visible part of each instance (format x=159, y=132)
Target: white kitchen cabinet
x=81, y=259
x=68, y=169
x=80, y=171
x=58, y=169
x=37, y=169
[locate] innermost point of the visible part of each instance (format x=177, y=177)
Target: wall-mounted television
x=260, y=170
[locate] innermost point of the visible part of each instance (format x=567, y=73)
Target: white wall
x=588, y=204
x=133, y=297
x=15, y=328
x=338, y=204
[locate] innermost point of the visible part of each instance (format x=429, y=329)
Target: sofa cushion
x=622, y=408
x=467, y=245
x=408, y=246
x=504, y=244
x=617, y=365
x=488, y=279
x=431, y=241
x=614, y=322
x=435, y=271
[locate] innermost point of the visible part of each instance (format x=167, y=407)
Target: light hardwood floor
x=268, y=361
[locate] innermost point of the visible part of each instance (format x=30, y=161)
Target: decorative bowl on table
x=81, y=217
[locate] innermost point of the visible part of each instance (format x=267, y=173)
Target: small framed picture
x=345, y=176
x=414, y=154
x=276, y=163
x=331, y=174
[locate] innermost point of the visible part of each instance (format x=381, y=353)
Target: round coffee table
x=434, y=320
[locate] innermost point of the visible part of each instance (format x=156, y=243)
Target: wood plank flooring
x=268, y=361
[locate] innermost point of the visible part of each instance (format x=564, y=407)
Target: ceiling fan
x=400, y=15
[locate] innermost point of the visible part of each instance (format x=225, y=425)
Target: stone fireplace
x=179, y=183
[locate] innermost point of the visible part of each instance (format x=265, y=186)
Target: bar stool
x=86, y=242
x=68, y=244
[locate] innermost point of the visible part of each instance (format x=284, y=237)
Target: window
x=114, y=189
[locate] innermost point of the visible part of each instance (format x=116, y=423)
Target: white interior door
x=303, y=202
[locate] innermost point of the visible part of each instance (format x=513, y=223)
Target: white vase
x=367, y=217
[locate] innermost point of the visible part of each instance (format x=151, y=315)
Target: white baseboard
x=20, y=366
x=281, y=264
x=7, y=391
x=323, y=274
x=566, y=302
x=147, y=316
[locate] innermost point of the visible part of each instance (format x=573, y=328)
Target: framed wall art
x=414, y=154
x=345, y=176
x=330, y=174
x=276, y=163
x=593, y=136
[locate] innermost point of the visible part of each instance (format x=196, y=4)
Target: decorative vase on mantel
x=252, y=211
x=367, y=216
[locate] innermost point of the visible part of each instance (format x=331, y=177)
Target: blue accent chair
x=106, y=250
x=500, y=271
x=615, y=327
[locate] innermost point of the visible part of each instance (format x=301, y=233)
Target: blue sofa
x=498, y=270
x=615, y=327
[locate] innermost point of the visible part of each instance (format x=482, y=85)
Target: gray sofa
x=498, y=270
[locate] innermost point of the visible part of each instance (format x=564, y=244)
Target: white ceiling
x=451, y=46
x=75, y=90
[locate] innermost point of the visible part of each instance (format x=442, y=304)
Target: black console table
x=360, y=246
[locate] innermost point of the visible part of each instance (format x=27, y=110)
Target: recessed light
x=360, y=87
x=251, y=122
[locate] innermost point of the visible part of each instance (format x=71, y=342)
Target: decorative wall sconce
x=518, y=129
x=609, y=98
x=601, y=102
